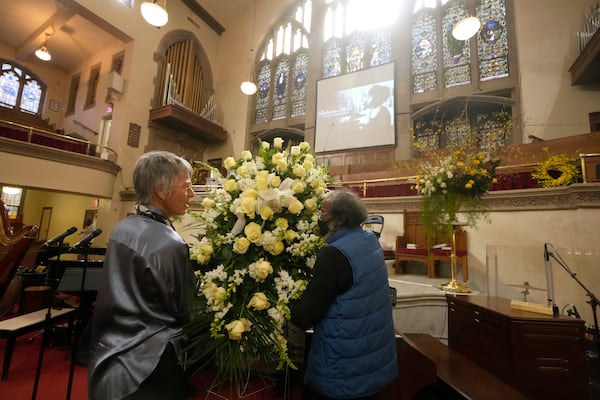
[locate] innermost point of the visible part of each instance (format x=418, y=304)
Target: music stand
x=67, y=279
x=78, y=324
x=47, y=323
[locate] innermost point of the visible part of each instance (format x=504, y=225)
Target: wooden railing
x=29, y=134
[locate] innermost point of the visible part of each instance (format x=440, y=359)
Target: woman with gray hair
x=353, y=351
x=146, y=290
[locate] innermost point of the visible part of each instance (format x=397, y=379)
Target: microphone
x=61, y=237
x=86, y=240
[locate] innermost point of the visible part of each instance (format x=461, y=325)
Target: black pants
x=166, y=382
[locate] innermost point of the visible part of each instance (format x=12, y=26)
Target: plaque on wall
x=133, y=137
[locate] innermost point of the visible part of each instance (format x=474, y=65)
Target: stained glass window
x=282, y=67
x=19, y=87
x=280, y=89
x=299, y=72
x=459, y=62
x=381, y=48
x=424, y=51
x=481, y=124
x=332, y=58
x=9, y=88
x=457, y=53
x=492, y=44
x=456, y=132
x=32, y=93
x=262, y=95
x=356, y=36
x=493, y=128
x=355, y=53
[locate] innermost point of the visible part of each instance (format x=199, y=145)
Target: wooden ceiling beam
x=205, y=16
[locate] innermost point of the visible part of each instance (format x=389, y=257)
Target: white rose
x=259, y=301
x=229, y=163
x=236, y=328
x=246, y=155
x=277, y=143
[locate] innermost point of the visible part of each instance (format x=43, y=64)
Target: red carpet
x=54, y=376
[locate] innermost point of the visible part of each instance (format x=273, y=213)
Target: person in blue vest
x=353, y=350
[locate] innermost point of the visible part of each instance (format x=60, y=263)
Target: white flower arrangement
x=260, y=244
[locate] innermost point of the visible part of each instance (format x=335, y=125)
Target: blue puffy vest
x=353, y=349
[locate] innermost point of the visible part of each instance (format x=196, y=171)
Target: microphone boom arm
x=593, y=301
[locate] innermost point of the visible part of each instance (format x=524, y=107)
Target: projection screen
x=356, y=110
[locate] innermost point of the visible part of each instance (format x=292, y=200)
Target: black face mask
x=323, y=227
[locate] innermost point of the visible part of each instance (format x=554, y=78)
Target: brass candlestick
x=454, y=286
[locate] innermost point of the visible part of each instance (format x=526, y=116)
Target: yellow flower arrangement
x=453, y=184
x=556, y=170
x=256, y=255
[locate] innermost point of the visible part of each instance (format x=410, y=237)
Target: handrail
x=582, y=157
x=85, y=127
x=366, y=182
x=31, y=130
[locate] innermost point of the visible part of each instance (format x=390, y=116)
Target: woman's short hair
x=157, y=171
x=345, y=203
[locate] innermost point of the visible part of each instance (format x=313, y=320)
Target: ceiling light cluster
x=154, y=14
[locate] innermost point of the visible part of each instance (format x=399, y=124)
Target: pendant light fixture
x=42, y=53
x=154, y=14
x=466, y=28
x=249, y=87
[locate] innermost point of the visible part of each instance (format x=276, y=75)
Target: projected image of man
x=380, y=118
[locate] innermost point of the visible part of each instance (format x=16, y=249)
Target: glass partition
x=522, y=273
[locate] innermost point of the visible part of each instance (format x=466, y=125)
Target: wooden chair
x=414, y=233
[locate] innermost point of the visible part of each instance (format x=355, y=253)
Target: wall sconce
x=466, y=28
x=154, y=14
x=42, y=53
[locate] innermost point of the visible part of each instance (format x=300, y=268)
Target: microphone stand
x=79, y=322
x=47, y=327
x=593, y=301
x=550, y=281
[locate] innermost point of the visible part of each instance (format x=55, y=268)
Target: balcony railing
x=29, y=134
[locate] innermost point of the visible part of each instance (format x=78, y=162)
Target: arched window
x=440, y=62
x=282, y=68
x=474, y=78
x=356, y=35
x=20, y=89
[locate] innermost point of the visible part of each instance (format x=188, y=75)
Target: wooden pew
x=458, y=372
x=416, y=371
